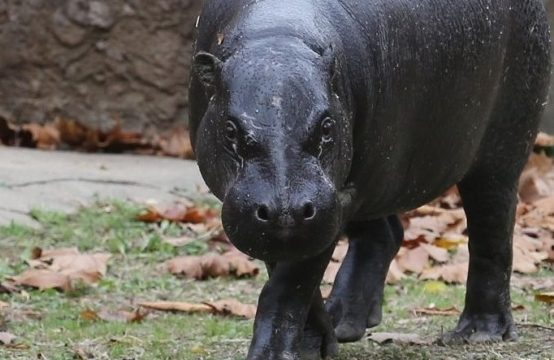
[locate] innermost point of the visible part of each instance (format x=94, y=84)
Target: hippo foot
x=319, y=343
x=479, y=329
x=350, y=325
x=314, y=347
x=273, y=355
x=319, y=348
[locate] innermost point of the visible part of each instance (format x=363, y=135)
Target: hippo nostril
x=262, y=213
x=309, y=211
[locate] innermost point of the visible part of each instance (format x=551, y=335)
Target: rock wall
x=96, y=60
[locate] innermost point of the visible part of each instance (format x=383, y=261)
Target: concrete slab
x=64, y=181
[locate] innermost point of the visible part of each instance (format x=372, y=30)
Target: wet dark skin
x=312, y=119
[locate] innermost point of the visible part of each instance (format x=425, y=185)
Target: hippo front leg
x=357, y=296
x=320, y=340
x=291, y=318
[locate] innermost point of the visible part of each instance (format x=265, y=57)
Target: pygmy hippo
x=312, y=119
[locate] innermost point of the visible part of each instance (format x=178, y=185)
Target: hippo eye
x=231, y=130
x=327, y=127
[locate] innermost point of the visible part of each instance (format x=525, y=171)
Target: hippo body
x=312, y=119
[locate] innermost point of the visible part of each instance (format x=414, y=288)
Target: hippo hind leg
x=489, y=203
x=489, y=190
x=357, y=295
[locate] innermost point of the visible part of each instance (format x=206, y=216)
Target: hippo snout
x=295, y=214
x=272, y=224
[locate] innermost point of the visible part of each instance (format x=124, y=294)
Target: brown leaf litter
x=67, y=133
x=58, y=268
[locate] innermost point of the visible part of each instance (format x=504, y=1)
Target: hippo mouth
x=287, y=244
x=285, y=235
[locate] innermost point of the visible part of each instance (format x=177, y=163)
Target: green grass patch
x=49, y=324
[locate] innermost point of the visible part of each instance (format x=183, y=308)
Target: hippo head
x=275, y=146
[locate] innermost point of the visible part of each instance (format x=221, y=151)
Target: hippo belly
x=414, y=148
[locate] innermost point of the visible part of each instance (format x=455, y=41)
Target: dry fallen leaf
x=395, y=274
x=55, y=268
x=38, y=253
x=3, y=305
x=451, y=273
x=435, y=311
x=187, y=266
x=72, y=132
x=123, y=316
x=537, y=179
x=340, y=251
x=44, y=279
x=176, y=306
x=544, y=140
x=89, y=314
x=221, y=307
x=119, y=316
x=115, y=139
x=45, y=137
x=8, y=132
x=212, y=265
x=413, y=260
x=547, y=297
x=435, y=287
x=532, y=283
x=449, y=244
x=240, y=264
x=89, y=268
x=233, y=307
x=331, y=272
x=436, y=253
x=178, y=241
x=525, y=261
x=177, y=213
x=539, y=214
x=397, y=338
x=433, y=222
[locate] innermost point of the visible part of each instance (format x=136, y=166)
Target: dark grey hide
x=317, y=118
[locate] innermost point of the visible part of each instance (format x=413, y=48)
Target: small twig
x=537, y=326
x=78, y=179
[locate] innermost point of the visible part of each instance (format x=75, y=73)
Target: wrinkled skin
x=312, y=119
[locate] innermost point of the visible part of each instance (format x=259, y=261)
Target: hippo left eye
x=231, y=130
x=327, y=129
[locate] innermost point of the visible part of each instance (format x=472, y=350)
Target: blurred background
x=99, y=62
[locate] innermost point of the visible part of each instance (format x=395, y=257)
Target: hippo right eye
x=231, y=131
x=327, y=127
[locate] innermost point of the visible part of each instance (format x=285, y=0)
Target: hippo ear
x=331, y=65
x=207, y=67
